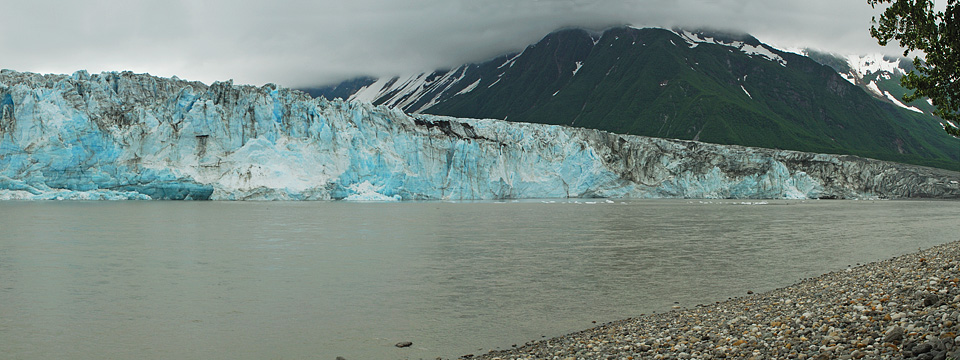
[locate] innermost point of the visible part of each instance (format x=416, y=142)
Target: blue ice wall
x=135, y=136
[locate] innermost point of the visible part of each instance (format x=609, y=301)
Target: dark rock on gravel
x=894, y=335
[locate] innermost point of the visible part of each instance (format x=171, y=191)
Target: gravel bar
x=901, y=308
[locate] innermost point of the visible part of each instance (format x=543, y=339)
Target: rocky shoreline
x=906, y=307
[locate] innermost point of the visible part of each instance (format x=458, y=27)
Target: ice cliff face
x=133, y=136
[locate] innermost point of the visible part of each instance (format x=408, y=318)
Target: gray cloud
x=299, y=43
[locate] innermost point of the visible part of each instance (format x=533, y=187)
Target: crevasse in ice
x=135, y=136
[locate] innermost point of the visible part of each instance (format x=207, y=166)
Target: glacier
x=121, y=135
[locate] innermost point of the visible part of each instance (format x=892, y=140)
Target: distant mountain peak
x=864, y=65
x=877, y=74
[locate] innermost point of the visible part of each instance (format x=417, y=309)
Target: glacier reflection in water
x=259, y=280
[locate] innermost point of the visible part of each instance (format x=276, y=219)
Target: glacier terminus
x=135, y=136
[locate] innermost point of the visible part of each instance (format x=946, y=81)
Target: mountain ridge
x=725, y=89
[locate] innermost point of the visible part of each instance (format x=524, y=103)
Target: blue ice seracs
x=136, y=136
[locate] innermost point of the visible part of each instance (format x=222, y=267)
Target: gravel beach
x=905, y=307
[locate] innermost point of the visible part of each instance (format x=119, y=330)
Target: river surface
x=317, y=280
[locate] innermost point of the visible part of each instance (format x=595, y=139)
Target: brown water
x=297, y=280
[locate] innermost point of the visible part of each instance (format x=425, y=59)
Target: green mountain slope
x=650, y=82
x=724, y=89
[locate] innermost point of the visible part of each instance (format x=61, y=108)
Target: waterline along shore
x=901, y=308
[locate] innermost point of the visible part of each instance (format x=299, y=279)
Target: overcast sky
x=301, y=42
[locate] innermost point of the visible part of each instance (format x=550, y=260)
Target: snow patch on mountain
x=864, y=65
x=791, y=49
x=693, y=39
x=407, y=92
x=762, y=51
x=872, y=86
x=510, y=61
x=470, y=87
x=897, y=102
x=874, y=69
x=849, y=78
x=371, y=92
